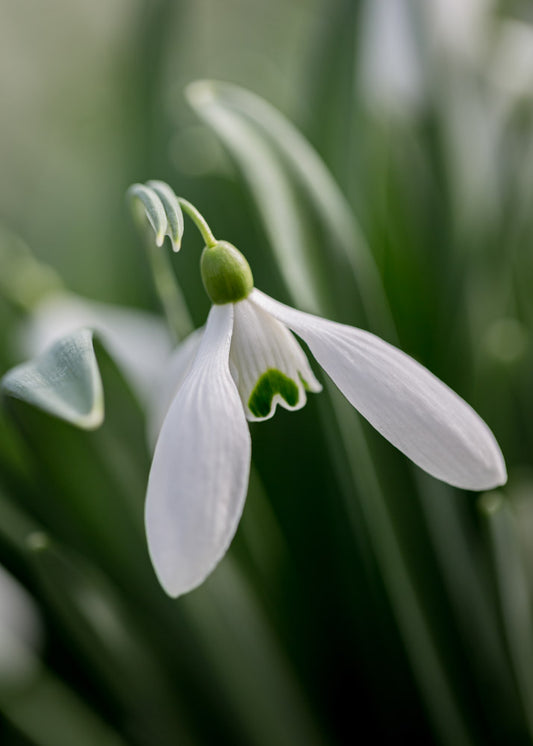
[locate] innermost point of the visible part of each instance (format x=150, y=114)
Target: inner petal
x=267, y=363
x=271, y=383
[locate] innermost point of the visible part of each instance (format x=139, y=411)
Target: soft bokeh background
x=361, y=600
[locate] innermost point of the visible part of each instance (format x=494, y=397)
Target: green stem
x=199, y=221
x=169, y=292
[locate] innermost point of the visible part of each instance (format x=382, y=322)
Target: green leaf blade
x=277, y=160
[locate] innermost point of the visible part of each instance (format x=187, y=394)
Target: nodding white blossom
x=243, y=364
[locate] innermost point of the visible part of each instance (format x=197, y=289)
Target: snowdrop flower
x=240, y=367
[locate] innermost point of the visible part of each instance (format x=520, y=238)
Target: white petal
x=268, y=364
x=138, y=340
x=391, y=77
x=168, y=381
x=406, y=403
x=199, y=475
x=460, y=28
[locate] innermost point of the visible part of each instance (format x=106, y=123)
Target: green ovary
x=271, y=383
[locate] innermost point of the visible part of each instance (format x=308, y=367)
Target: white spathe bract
x=246, y=363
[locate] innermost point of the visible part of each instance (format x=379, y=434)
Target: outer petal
x=406, y=403
x=199, y=473
x=268, y=364
x=168, y=381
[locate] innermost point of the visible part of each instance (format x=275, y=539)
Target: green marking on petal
x=306, y=386
x=271, y=383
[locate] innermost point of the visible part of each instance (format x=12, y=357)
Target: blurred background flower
x=373, y=159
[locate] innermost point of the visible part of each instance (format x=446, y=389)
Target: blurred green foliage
x=361, y=600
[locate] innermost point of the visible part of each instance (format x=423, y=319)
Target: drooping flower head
x=243, y=364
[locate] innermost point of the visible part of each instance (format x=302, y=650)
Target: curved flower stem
x=199, y=221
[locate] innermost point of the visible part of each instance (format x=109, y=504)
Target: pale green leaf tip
x=200, y=92
x=490, y=503
x=64, y=381
x=95, y=418
x=37, y=541
x=207, y=91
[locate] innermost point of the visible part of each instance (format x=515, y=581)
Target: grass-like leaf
x=279, y=163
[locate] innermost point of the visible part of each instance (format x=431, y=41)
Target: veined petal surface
x=168, y=381
x=406, y=403
x=199, y=475
x=268, y=364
